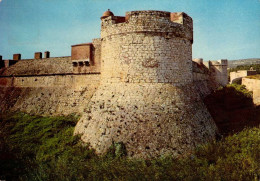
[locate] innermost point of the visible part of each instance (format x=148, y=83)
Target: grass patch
x=238, y=89
x=44, y=148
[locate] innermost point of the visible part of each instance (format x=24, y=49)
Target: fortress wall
x=256, y=96
x=70, y=81
x=254, y=86
x=147, y=21
x=148, y=48
x=150, y=119
x=200, y=72
x=96, y=54
x=146, y=98
x=148, y=95
x=240, y=74
x=49, y=95
x=54, y=65
x=251, y=84
x=219, y=71
x=202, y=79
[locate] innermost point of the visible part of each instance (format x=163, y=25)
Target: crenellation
x=38, y=55
x=47, y=54
x=146, y=21
x=17, y=56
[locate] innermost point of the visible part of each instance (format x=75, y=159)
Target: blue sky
x=222, y=28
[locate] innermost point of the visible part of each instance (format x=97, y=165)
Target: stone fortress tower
x=146, y=98
x=219, y=70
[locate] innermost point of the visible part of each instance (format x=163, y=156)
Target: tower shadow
x=232, y=109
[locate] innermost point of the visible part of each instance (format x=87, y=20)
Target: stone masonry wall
x=47, y=95
x=55, y=65
x=148, y=95
x=219, y=71
x=152, y=50
x=240, y=74
x=202, y=79
x=150, y=119
x=254, y=86
x=152, y=58
x=146, y=98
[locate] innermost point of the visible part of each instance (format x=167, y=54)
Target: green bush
x=43, y=148
x=240, y=89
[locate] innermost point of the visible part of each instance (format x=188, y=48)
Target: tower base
x=150, y=119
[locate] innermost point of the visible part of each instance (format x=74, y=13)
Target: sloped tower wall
x=146, y=98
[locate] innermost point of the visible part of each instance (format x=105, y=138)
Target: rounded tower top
x=107, y=14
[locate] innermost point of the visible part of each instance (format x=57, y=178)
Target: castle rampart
x=146, y=98
x=137, y=84
x=238, y=75
x=253, y=84
x=17, y=56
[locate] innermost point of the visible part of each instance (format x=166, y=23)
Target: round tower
x=146, y=98
x=148, y=48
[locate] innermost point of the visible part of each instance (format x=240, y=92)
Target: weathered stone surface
x=148, y=95
x=238, y=75
x=254, y=86
x=146, y=98
x=54, y=65
x=47, y=95
x=150, y=119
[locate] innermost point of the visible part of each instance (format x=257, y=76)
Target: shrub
x=44, y=148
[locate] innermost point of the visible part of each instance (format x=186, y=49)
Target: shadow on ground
x=233, y=109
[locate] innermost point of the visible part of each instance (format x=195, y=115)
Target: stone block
x=47, y=54
x=17, y=56
x=38, y=55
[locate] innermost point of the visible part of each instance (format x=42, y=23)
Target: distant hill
x=249, y=61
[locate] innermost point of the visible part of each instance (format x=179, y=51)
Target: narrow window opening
x=87, y=63
x=75, y=64
x=81, y=64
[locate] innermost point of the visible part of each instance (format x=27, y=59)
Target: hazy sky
x=222, y=28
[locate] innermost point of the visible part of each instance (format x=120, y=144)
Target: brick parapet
x=54, y=65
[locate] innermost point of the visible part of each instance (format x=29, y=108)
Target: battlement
x=158, y=22
x=221, y=62
x=47, y=54
x=137, y=85
x=17, y=56
x=198, y=60
x=38, y=55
